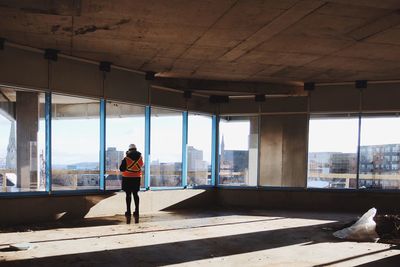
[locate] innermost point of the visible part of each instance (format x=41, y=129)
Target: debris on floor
x=372, y=227
x=388, y=228
x=21, y=246
x=362, y=230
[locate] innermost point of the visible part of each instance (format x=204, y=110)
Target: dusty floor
x=216, y=238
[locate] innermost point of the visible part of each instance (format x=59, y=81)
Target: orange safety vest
x=133, y=167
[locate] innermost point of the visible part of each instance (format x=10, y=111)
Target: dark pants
x=131, y=186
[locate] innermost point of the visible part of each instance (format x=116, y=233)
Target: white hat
x=132, y=146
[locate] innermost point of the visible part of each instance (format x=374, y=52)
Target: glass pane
x=332, y=153
x=125, y=124
x=166, y=148
x=380, y=153
x=22, y=143
x=238, y=151
x=75, y=143
x=199, y=150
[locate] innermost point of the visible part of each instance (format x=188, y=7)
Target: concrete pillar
x=283, y=159
x=27, y=115
x=253, y=152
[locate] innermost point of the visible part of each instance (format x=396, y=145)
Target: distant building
x=11, y=158
x=113, y=158
x=343, y=163
x=198, y=168
x=166, y=173
x=375, y=162
x=238, y=159
x=195, y=159
x=234, y=164
x=319, y=162
x=380, y=159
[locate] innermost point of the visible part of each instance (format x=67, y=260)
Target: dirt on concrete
x=388, y=228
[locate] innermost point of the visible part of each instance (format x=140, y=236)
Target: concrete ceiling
x=279, y=41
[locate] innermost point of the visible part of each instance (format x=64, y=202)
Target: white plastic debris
x=21, y=246
x=362, y=230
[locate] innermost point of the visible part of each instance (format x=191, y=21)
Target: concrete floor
x=214, y=238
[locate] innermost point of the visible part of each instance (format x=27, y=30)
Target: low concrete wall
x=23, y=210
x=310, y=200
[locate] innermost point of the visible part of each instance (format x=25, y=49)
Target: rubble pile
x=388, y=228
x=372, y=227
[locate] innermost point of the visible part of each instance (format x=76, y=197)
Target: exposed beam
x=229, y=87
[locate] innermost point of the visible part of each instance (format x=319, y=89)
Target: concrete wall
x=310, y=200
x=23, y=68
x=23, y=210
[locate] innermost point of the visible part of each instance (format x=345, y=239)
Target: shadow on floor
x=143, y=231
x=70, y=211
x=393, y=261
x=186, y=251
x=386, y=262
x=88, y=222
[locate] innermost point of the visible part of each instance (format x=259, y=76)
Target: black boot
x=136, y=215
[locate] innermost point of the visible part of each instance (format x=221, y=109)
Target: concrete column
x=27, y=115
x=253, y=152
x=283, y=161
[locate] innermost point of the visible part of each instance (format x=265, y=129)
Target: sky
x=236, y=134
x=340, y=135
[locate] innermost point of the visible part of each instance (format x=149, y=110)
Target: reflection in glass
x=75, y=143
x=332, y=152
x=22, y=155
x=166, y=148
x=380, y=153
x=199, y=150
x=238, y=153
x=125, y=124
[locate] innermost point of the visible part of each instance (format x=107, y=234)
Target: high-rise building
x=113, y=158
x=379, y=159
x=195, y=159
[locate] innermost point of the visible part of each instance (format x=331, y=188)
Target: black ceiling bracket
x=2, y=42
x=309, y=86
x=105, y=66
x=259, y=98
x=187, y=94
x=219, y=99
x=51, y=54
x=361, y=84
x=150, y=75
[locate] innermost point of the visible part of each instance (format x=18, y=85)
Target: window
x=199, y=150
x=166, y=148
x=22, y=141
x=125, y=124
x=332, y=152
x=75, y=143
x=381, y=133
x=238, y=153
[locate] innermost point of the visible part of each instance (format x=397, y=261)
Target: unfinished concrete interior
x=264, y=126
